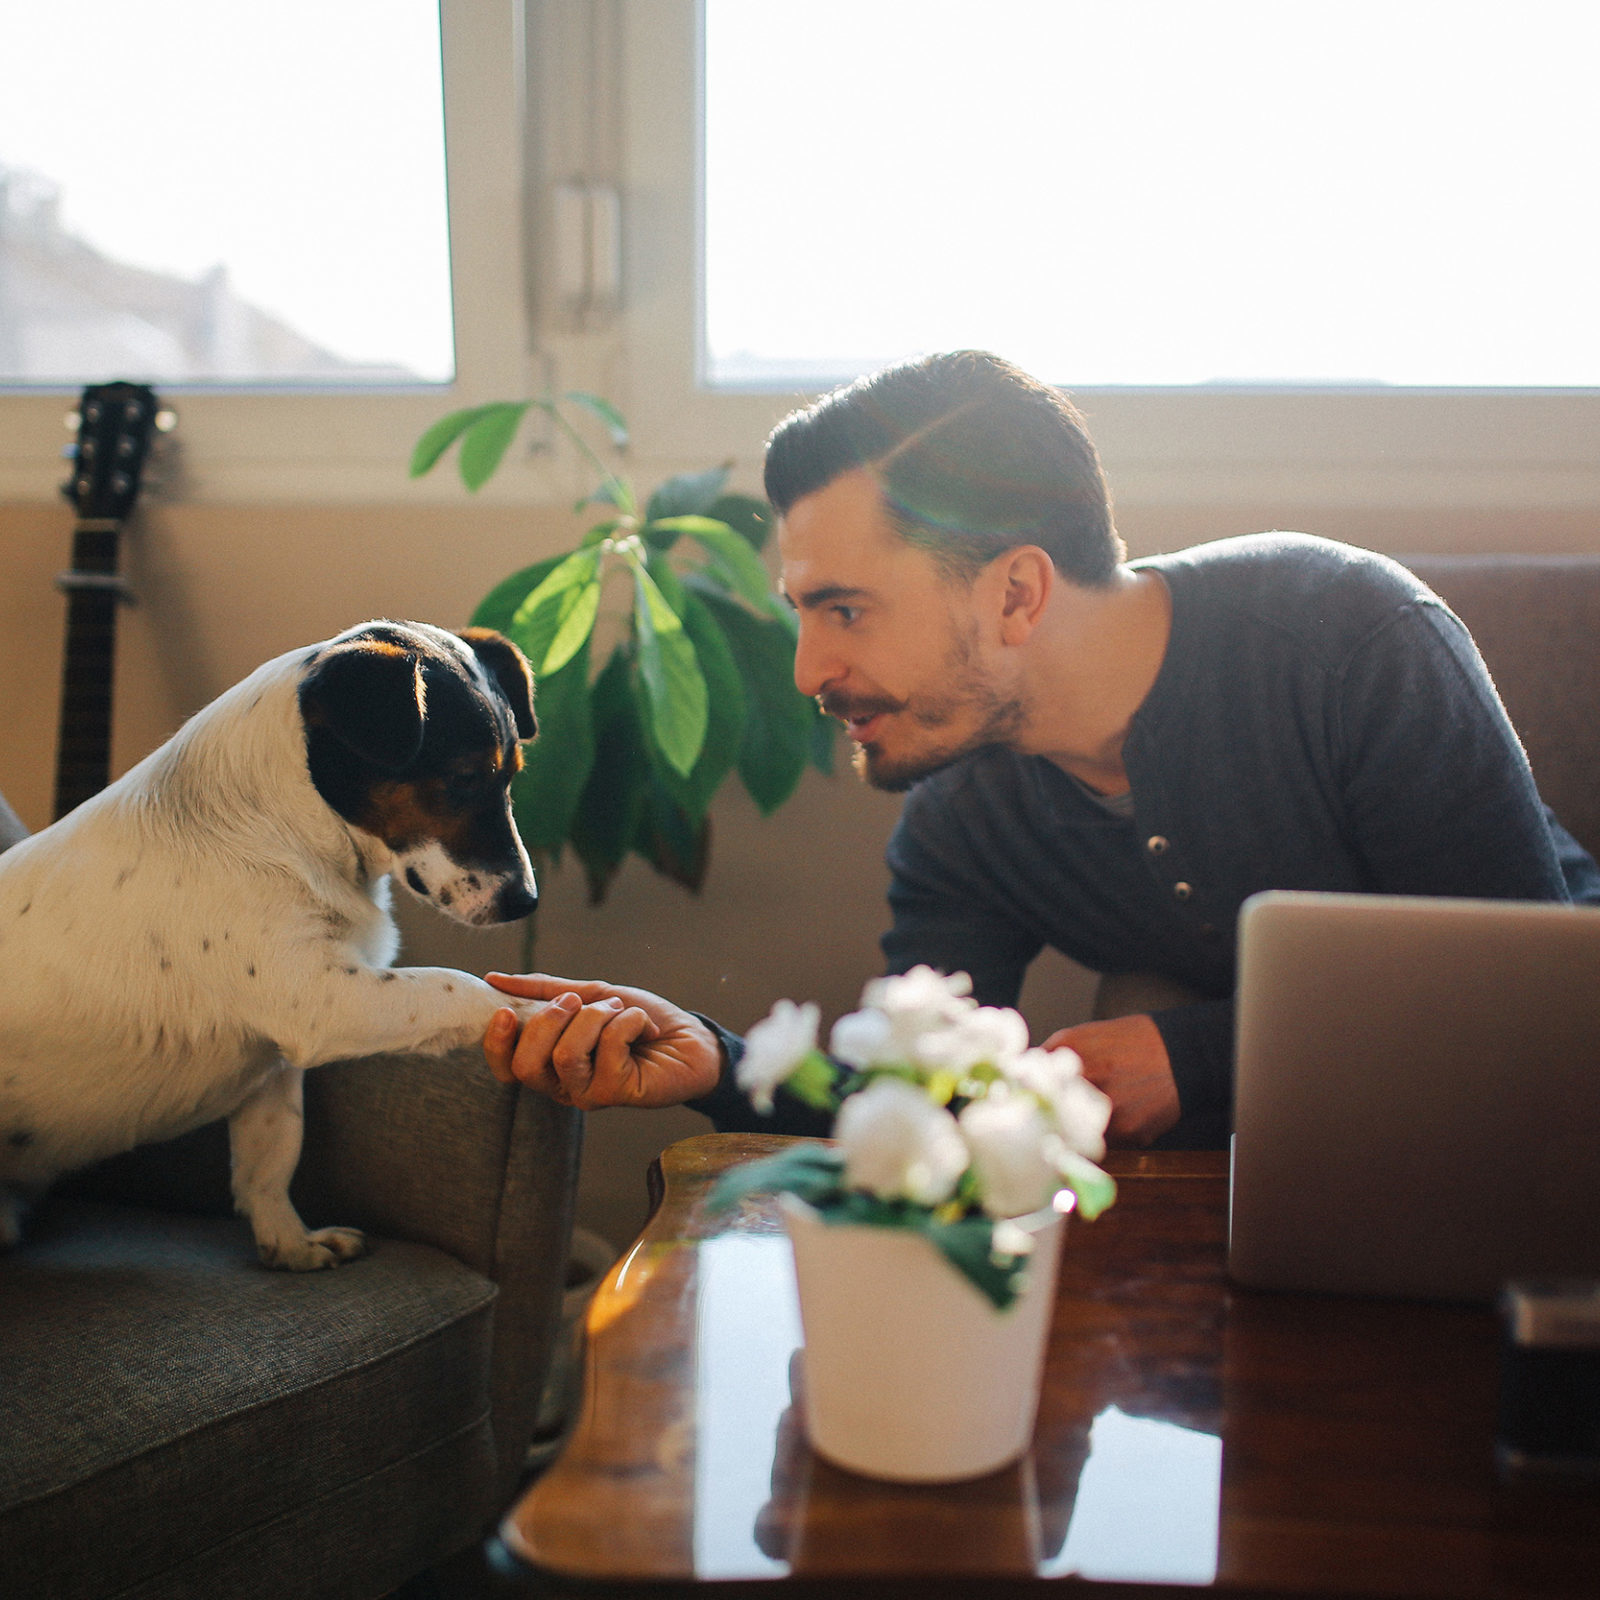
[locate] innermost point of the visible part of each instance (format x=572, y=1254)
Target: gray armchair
x=180, y=1422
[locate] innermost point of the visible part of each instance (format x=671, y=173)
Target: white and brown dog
x=185, y=944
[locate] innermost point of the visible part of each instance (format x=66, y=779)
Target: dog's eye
x=460, y=788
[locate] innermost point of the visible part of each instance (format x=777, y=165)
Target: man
x=1104, y=756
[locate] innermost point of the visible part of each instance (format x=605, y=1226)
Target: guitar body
x=115, y=425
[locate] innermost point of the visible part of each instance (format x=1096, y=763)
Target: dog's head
x=413, y=737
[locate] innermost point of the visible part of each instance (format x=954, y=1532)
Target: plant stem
x=608, y=477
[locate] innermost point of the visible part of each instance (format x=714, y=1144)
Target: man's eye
x=847, y=615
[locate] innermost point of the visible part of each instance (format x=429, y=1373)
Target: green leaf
x=500, y=605
x=746, y=515
x=440, y=437
x=559, y=608
x=486, y=440
x=1095, y=1189
x=968, y=1245
x=815, y=1081
x=577, y=623
x=731, y=555
x=726, y=704
x=687, y=494
x=676, y=844
x=778, y=718
x=556, y=765
x=602, y=408
x=811, y=1171
x=607, y=819
x=675, y=685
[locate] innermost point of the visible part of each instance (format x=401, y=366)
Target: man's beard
x=999, y=720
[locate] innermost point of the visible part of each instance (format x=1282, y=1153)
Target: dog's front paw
x=323, y=1247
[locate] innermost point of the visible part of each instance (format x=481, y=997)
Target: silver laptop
x=1417, y=1095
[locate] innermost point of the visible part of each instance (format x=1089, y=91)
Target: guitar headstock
x=115, y=424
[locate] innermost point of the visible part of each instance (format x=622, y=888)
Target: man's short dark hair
x=974, y=457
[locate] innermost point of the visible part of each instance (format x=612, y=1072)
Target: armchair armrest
x=439, y=1152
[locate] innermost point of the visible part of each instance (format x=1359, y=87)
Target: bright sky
x=1159, y=191
x=300, y=142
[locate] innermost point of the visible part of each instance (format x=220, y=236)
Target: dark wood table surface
x=1191, y=1433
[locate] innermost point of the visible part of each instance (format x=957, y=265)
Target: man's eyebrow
x=827, y=594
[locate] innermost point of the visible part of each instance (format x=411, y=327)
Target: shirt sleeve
x=730, y=1109
x=1437, y=788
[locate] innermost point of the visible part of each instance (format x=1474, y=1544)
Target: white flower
x=898, y=1144
x=774, y=1047
x=984, y=1034
x=1013, y=1152
x=1078, y=1110
x=864, y=1039
x=918, y=1001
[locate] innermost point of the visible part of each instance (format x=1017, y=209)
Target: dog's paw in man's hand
x=600, y=1044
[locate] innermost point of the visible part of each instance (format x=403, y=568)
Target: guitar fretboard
x=83, y=752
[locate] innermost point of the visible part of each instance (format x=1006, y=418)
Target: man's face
x=888, y=644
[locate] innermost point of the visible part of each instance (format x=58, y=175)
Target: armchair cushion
x=162, y=1389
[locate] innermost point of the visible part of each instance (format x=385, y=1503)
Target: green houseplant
x=697, y=679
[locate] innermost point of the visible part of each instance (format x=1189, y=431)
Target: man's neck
x=1097, y=658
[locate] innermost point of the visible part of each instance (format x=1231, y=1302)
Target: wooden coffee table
x=1191, y=1433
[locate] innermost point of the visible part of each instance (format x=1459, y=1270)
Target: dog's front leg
x=350, y=1010
x=265, y=1135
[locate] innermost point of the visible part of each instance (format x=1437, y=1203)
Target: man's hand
x=1127, y=1058
x=595, y=1044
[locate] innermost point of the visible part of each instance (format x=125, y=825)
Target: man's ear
x=369, y=695
x=509, y=668
x=1027, y=576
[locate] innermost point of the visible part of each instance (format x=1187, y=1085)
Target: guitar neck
x=94, y=590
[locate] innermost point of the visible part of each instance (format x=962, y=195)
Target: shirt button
x=1182, y=891
x=1155, y=844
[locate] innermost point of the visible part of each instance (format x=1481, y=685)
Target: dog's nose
x=515, y=901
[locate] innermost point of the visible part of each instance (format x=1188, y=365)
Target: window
x=200, y=193
x=347, y=438
x=1152, y=192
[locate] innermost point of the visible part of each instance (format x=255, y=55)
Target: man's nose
x=813, y=670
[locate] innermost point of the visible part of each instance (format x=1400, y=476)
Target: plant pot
x=911, y=1373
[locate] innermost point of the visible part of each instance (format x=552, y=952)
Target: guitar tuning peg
x=73, y=420
x=166, y=420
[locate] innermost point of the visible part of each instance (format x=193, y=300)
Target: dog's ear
x=369, y=695
x=509, y=668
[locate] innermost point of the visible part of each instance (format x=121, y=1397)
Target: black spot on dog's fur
x=414, y=878
x=205, y=944
x=26, y=909
x=122, y=877
x=351, y=972
x=166, y=964
x=446, y=898
x=449, y=988
x=21, y=1139
x=249, y=972
x=388, y=977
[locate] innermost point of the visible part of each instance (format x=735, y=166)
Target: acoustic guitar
x=115, y=425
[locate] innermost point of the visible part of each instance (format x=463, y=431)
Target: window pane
x=1155, y=191
x=195, y=190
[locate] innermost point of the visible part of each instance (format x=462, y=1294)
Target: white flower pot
x=910, y=1372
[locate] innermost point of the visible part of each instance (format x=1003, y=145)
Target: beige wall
x=794, y=904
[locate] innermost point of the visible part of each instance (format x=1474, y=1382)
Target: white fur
x=186, y=944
